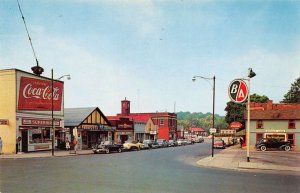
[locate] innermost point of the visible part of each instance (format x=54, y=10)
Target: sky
x=148, y=51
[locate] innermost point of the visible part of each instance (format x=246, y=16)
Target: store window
x=259, y=136
x=291, y=138
x=161, y=121
x=292, y=124
x=39, y=135
x=259, y=124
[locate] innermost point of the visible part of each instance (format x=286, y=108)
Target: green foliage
x=204, y=121
x=293, y=95
x=235, y=111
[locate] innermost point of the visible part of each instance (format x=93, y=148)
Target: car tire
x=119, y=150
x=287, y=148
x=107, y=151
x=263, y=148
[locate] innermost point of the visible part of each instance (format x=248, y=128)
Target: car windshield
x=106, y=143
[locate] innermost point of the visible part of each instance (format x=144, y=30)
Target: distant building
x=159, y=125
x=280, y=121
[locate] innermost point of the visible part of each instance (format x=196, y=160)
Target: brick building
x=159, y=125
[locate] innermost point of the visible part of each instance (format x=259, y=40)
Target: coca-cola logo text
x=36, y=94
x=40, y=93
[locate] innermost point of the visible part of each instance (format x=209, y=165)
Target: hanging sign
x=238, y=91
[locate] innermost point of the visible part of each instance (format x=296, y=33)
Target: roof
x=279, y=114
x=74, y=116
x=196, y=129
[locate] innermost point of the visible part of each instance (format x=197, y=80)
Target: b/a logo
x=238, y=91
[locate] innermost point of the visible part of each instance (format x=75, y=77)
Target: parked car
x=132, y=145
x=107, y=147
x=147, y=144
x=219, y=144
x=181, y=142
x=162, y=143
x=155, y=145
x=265, y=144
x=172, y=143
x=198, y=139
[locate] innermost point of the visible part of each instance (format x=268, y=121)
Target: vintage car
x=265, y=144
x=219, y=144
x=147, y=144
x=182, y=142
x=107, y=147
x=172, y=143
x=162, y=143
x=133, y=145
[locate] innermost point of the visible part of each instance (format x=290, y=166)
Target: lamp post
x=53, y=131
x=251, y=74
x=52, y=107
x=213, y=118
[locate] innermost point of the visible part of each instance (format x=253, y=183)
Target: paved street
x=167, y=170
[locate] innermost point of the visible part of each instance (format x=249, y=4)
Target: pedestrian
x=241, y=141
x=75, y=144
x=1, y=144
x=67, y=144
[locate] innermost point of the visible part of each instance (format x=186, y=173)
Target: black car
x=107, y=147
x=265, y=144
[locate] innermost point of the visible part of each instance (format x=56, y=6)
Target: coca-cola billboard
x=36, y=95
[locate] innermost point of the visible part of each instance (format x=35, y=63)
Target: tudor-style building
x=281, y=121
x=90, y=124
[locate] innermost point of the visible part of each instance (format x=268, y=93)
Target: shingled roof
x=75, y=116
x=278, y=114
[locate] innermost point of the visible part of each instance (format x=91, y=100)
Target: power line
x=28, y=33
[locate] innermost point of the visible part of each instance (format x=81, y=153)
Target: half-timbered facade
x=90, y=125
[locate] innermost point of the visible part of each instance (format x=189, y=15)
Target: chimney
x=269, y=105
x=125, y=107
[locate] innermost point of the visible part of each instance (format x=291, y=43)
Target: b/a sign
x=238, y=91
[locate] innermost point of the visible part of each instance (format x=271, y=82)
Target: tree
x=293, y=95
x=235, y=111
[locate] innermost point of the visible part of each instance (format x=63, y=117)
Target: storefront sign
x=235, y=125
x=153, y=132
x=3, y=121
x=275, y=131
x=40, y=122
x=36, y=94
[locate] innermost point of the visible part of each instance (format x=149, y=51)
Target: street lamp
x=251, y=74
x=52, y=106
x=213, y=118
x=67, y=75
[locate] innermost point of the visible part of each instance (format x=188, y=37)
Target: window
x=161, y=121
x=259, y=136
x=292, y=124
x=259, y=124
x=291, y=138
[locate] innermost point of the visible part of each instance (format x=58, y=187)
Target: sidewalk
x=235, y=158
x=57, y=153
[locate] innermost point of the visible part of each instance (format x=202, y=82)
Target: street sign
x=213, y=130
x=238, y=91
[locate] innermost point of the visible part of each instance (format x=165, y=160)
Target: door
x=25, y=141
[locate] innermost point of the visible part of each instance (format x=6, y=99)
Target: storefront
x=27, y=105
x=90, y=124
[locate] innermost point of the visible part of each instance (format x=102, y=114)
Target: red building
x=165, y=122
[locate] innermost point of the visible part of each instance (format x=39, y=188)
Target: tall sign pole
x=238, y=93
x=213, y=121
x=52, y=118
x=248, y=124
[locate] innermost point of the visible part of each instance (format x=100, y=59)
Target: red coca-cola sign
x=36, y=94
